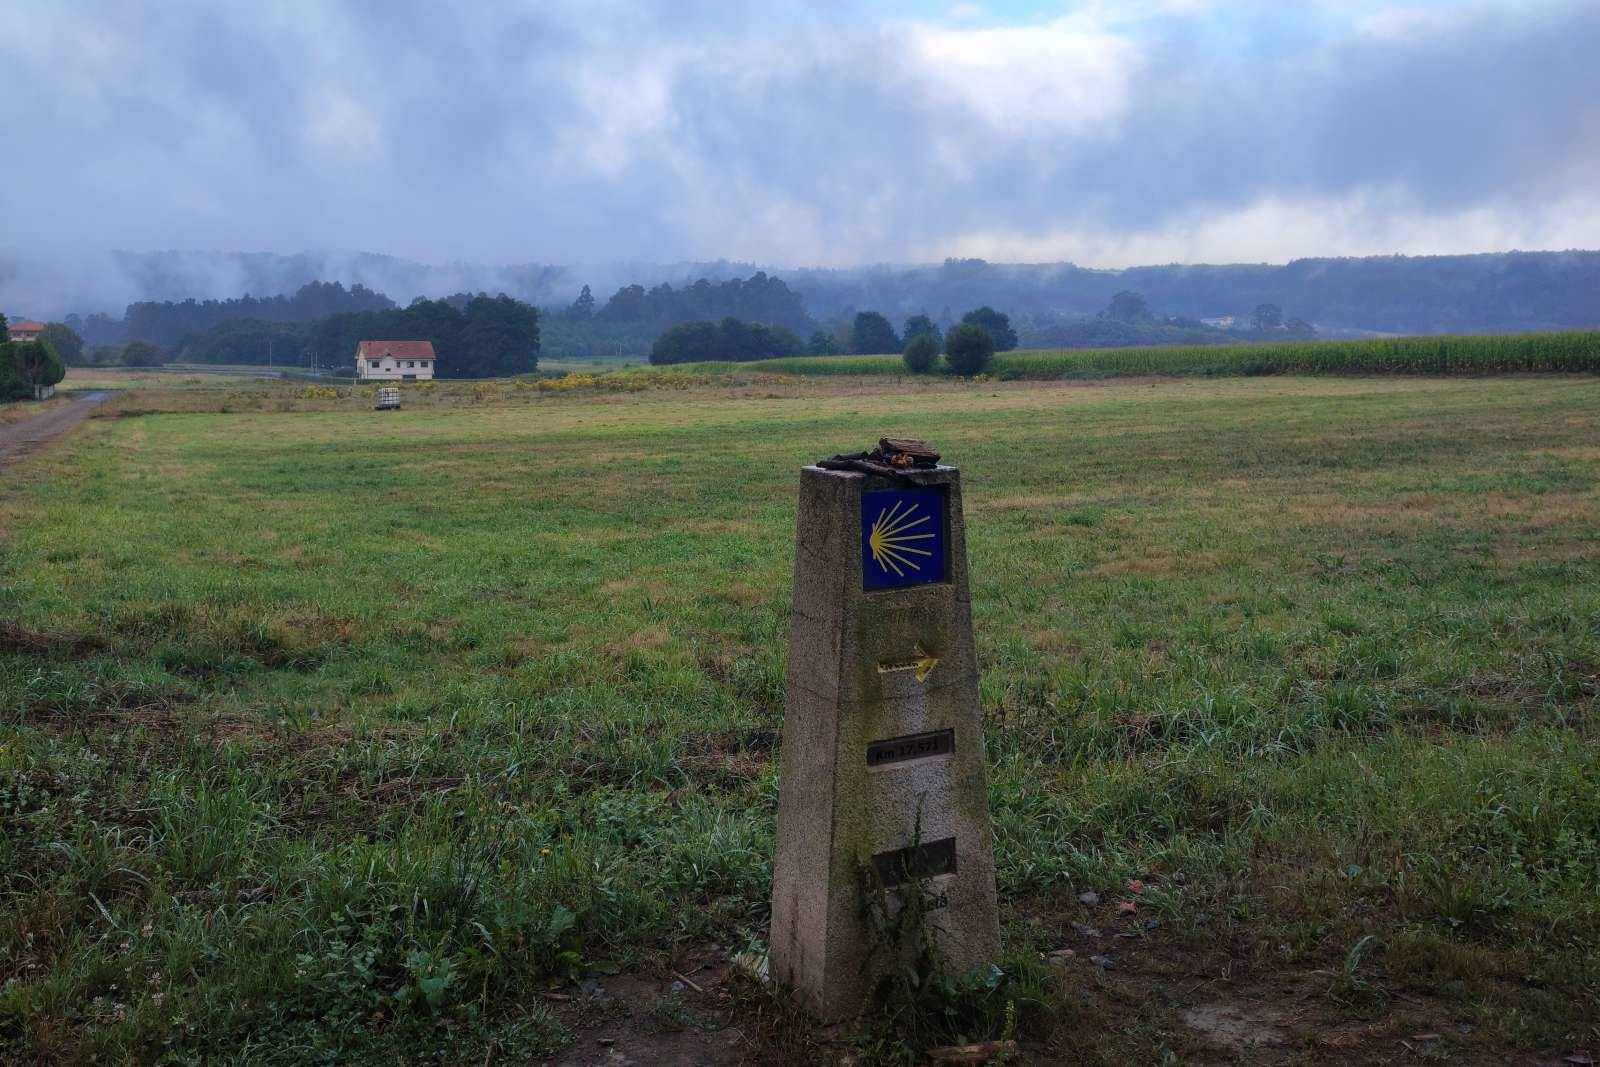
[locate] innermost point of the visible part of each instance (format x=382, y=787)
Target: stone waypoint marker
x=882, y=777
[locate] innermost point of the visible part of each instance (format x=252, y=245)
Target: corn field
x=1569, y=352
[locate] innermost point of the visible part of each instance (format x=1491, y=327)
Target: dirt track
x=20, y=438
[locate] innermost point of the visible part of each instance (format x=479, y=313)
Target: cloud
x=794, y=133
x=1048, y=82
x=340, y=123
x=1274, y=230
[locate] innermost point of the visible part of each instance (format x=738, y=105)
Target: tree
x=729, y=341
x=871, y=334
x=141, y=354
x=822, y=343
x=473, y=335
x=168, y=323
x=248, y=341
x=996, y=325
x=12, y=385
x=758, y=298
x=68, y=345
x=687, y=342
x=499, y=337
x=968, y=348
x=921, y=324
x=1266, y=317
x=38, y=364
x=1128, y=306
x=583, y=307
x=921, y=353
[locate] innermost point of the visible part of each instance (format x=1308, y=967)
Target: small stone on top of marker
x=892, y=456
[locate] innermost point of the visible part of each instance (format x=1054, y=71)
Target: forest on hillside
x=1489, y=293
x=474, y=335
x=321, y=322
x=166, y=323
x=1050, y=305
x=633, y=318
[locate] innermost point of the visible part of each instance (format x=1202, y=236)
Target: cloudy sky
x=1107, y=132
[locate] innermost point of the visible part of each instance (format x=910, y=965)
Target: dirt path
x=20, y=438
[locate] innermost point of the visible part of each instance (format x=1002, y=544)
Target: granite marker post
x=882, y=765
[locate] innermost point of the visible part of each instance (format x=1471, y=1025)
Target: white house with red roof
x=26, y=330
x=403, y=361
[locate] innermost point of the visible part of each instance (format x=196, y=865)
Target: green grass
x=1569, y=352
x=341, y=734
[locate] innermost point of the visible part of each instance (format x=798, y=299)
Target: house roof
x=26, y=326
x=397, y=349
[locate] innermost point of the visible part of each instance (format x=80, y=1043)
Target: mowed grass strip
x=345, y=733
x=1567, y=352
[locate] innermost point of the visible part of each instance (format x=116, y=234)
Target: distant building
x=405, y=361
x=26, y=330
x=1221, y=322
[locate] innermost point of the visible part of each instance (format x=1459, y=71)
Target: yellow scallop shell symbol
x=893, y=537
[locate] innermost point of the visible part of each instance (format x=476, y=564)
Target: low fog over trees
x=1032, y=306
x=1399, y=294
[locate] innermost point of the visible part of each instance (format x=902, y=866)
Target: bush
x=921, y=353
x=969, y=349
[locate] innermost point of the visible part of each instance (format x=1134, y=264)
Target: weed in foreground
x=918, y=1002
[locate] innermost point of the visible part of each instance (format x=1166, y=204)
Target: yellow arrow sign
x=923, y=665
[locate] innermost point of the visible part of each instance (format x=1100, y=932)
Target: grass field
x=329, y=733
x=1576, y=351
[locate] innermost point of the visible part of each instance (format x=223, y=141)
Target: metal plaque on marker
x=911, y=747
